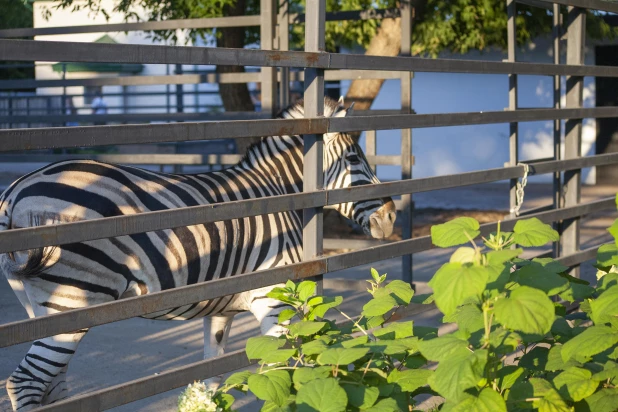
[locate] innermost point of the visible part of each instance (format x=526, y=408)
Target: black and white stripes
x=56, y=279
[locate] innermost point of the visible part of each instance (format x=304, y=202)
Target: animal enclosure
x=318, y=67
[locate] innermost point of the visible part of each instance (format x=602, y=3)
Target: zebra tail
x=36, y=261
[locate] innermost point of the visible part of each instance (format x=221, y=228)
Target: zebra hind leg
x=266, y=310
x=33, y=381
x=58, y=389
x=216, y=332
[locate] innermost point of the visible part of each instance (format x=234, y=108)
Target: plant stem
x=353, y=321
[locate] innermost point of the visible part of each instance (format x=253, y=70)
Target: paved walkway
x=122, y=351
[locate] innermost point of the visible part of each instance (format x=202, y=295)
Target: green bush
x=516, y=348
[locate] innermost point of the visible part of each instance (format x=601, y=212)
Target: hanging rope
x=519, y=190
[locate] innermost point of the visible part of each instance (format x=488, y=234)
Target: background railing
x=565, y=212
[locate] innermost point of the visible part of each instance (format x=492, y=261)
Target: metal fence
x=566, y=212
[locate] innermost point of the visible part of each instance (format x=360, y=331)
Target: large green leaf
x=385, y=405
x=361, y=396
x=238, y=378
x=453, y=233
x=575, y=383
x=555, y=362
x=453, y=283
x=341, y=356
x=497, y=257
x=537, y=276
x=457, y=373
x=469, y=318
x=271, y=386
x=278, y=356
x=321, y=395
x=613, y=229
x=605, y=307
x=464, y=254
x=321, y=304
x=550, y=264
x=396, y=330
x=509, y=375
x=536, y=359
x=604, y=400
x=487, y=401
x=392, y=347
x=577, y=292
x=443, y=347
x=543, y=395
x=411, y=379
x=593, y=340
x=314, y=347
x=532, y=232
x=610, y=371
x=304, y=375
x=402, y=291
x=526, y=310
x=305, y=328
x=379, y=306
x=259, y=346
x=273, y=407
x=305, y=290
x=607, y=255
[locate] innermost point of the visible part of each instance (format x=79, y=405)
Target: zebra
x=55, y=279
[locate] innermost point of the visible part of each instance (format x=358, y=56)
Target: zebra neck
x=278, y=160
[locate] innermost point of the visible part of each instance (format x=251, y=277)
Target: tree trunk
x=235, y=96
x=387, y=42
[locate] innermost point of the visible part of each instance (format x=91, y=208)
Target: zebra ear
x=341, y=101
x=344, y=112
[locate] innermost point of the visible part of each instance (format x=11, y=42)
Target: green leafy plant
x=516, y=347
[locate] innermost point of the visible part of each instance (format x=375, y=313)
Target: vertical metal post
x=370, y=145
x=573, y=130
x=556, y=33
x=180, y=99
x=513, y=127
x=313, y=172
x=406, y=137
x=284, y=44
x=268, y=74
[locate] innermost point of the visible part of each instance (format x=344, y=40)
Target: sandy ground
x=123, y=351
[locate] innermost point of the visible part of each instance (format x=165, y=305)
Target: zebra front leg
x=43, y=366
x=216, y=331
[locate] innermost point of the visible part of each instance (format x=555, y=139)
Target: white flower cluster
x=197, y=398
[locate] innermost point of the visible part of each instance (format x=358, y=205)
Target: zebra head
x=345, y=165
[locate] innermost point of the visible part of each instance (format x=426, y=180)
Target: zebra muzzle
x=382, y=221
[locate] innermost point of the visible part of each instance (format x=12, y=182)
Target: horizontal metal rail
x=602, y=5
x=29, y=50
x=66, y=233
x=132, y=117
x=49, y=138
x=161, y=159
x=211, y=78
x=136, y=118
x=36, y=328
x=205, y=23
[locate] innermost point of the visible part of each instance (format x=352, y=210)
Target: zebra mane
x=297, y=111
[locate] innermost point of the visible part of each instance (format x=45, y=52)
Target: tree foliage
x=455, y=25
x=15, y=14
